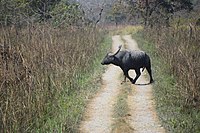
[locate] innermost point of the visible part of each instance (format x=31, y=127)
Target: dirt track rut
x=99, y=112
x=143, y=118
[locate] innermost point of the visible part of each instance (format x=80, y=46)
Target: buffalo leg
x=138, y=73
x=127, y=76
x=124, y=78
x=150, y=74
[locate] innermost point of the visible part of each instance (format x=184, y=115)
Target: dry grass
x=179, y=47
x=37, y=65
x=178, y=109
x=124, y=29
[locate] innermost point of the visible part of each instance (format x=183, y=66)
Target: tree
x=156, y=11
x=68, y=14
x=118, y=13
x=58, y=12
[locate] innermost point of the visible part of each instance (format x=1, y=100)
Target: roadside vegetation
x=49, y=65
x=46, y=76
x=176, y=71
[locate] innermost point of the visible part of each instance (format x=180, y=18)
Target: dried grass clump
x=38, y=63
x=180, y=48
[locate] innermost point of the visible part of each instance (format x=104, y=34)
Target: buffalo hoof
x=152, y=81
x=133, y=81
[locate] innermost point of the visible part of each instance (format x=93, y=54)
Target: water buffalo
x=127, y=60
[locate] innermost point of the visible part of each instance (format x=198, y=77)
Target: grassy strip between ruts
x=170, y=104
x=121, y=110
x=71, y=105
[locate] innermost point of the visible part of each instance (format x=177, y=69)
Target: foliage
x=176, y=109
x=41, y=74
x=179, y=45
x=116, y=14
x=67, y=14
x=152, y=12
x=21, y=12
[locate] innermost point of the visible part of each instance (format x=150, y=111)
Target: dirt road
x=99, y=112
x=141, y=103
x=142, y=118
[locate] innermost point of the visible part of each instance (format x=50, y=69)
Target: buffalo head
x=110, y=58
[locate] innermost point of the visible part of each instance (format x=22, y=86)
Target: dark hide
x=127, y=60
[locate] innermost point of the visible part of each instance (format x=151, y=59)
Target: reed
x=39, y=63
x=179, y=47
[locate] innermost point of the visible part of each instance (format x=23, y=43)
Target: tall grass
x=179, y=47
x=40, y=70
x=174, y=52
